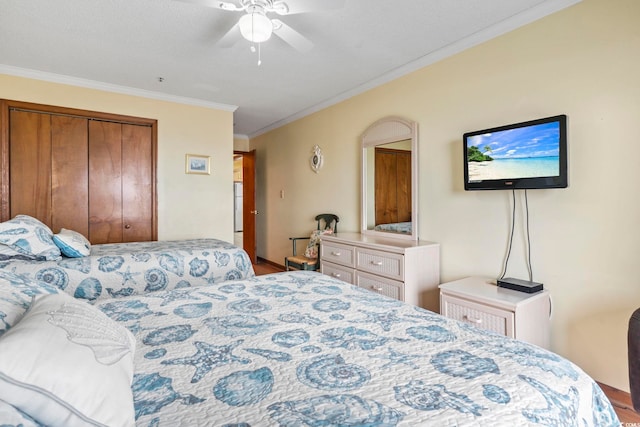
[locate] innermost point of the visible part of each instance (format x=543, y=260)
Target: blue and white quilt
x=396, y=227
x=123, y=269
x=303, y=349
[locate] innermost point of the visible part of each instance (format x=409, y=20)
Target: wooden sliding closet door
x=393, y=186
x=91, y=172
x=403, y=163
x=105, y=182
x=385, y=188
x=120, y=182
x=137, y=171
x=30, y=167
x=69, y=174
x=48, y=169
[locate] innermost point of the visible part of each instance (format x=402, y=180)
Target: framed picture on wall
x=197, y=164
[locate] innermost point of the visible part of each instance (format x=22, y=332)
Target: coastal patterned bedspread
x=123, y=269
x=396, y=227
x=303, y=349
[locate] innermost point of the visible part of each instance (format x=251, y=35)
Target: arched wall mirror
x=390, y=179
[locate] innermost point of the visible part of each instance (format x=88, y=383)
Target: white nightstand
x=479, y=302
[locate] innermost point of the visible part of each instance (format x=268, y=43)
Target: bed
x=396, y=227
x=122, y=269
x=304, y=349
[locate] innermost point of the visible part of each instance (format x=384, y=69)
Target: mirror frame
x=385, y=131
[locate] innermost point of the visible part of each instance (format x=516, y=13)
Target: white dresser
x=478, y=302
x=407, y=270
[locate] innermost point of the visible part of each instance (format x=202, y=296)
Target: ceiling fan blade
x=232, y=37
x=291, y=36
x=217, y=4
x=302, y=6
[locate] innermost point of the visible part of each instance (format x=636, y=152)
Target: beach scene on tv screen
x=527, y=152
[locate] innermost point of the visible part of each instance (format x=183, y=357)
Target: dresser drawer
x=378, y=262
x=338, y=271
x=381, y=285
x=478, y=315
x=340, y=254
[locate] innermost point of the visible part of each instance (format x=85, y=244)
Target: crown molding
x=107, y=87
x=512, y=23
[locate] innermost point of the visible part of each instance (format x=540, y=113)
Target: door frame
x=249, y=210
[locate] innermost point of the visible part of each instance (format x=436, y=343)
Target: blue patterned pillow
x=28, y=236
x=16, y=292
x=72, y=244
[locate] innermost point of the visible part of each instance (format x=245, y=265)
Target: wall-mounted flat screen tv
x=523, y=155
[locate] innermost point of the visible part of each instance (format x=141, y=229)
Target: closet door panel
x=105, y=182
x=30, y=164
x=386, y=206
x=137, y=188
x=404, y=186
x=69, y=174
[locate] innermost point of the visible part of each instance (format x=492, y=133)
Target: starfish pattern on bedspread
x=208, y=357
x=561, y=408
x=127, y=276
x=397, y=358
x=384, y=319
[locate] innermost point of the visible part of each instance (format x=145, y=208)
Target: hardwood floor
x=620, y=400
x=266, y=267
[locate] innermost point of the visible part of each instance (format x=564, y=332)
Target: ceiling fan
x=255, y=26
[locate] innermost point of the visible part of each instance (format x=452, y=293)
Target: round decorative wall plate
x=316, y=159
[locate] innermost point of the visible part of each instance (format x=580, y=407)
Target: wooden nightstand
x=479, y=302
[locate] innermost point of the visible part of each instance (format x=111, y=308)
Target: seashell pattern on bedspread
x=123, y=269
x=303, y=349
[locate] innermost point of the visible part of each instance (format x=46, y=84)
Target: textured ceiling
x=128, y=44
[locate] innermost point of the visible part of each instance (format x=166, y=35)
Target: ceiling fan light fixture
x=255, y=27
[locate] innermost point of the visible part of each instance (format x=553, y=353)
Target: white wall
x=583, y=62
x=189, y=206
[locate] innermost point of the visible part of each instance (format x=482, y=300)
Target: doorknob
x=254, y=212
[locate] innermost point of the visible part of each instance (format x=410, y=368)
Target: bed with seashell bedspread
x=122, y=269
x=304, y=349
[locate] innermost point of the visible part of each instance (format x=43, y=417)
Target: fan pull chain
x=253, y=50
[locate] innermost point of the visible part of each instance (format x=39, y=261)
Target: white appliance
x=237, y=206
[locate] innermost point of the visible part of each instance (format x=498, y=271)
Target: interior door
x=249, y=211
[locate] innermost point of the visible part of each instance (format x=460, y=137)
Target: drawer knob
x=472, y=319
x=336, y=253
x=337, y=275
x=378, y=263
x=377, y=288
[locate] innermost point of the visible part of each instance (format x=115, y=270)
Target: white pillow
x=16, y=293
x=65, y=363
x=29, y=237
x=71, y=243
